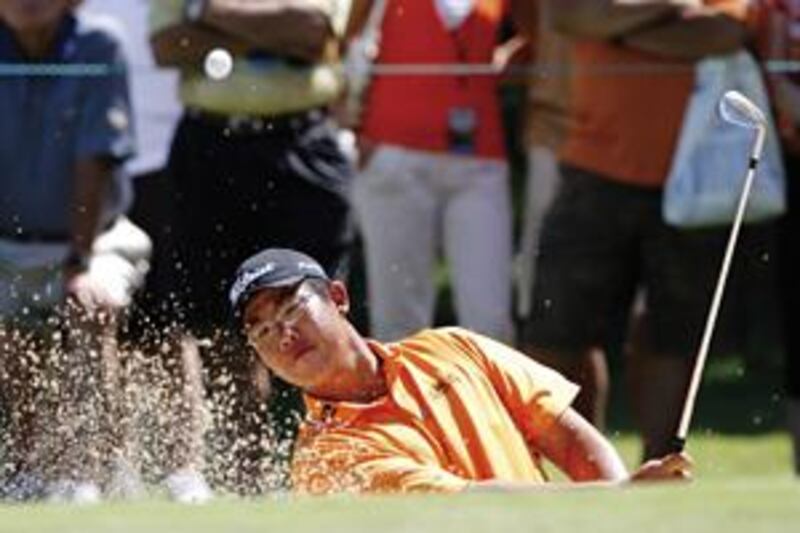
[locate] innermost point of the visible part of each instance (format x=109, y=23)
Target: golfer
x=444, y=410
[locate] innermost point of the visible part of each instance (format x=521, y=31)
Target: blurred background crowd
x=495, y=164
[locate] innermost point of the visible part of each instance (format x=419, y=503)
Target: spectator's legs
x=397, y=213
x=590, y=367
x=788, y=271
x=586, y=274
x=793, y=422
x=189, y=409
x=59, y=376
x=20, y=365
x=59, y=379
x=63, y=363
x=170, y=368
x=477, y=242
x=679, y=271
x=153, y=329
x=182, y=421
x=542, y=180
x=660, y=384
x=77, y=423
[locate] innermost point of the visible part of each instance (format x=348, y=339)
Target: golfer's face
x=291, y=331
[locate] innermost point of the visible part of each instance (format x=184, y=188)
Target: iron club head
x=734, y=107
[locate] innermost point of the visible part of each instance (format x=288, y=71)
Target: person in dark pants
x=788, y=232
x=147, y=330
x=603, y=240
x=777, y=23
x=255, y=162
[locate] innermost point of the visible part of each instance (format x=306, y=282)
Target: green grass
x=750, y=507
x=743, y=485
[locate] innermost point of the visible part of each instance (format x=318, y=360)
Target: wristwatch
x=193, y=9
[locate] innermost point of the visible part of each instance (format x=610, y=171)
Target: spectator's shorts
x=31, y=283
x=601, y=242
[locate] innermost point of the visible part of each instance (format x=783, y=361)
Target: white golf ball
x=218, y=64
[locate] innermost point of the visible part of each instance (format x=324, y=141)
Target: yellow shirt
x=257, y=87
x=460, y=407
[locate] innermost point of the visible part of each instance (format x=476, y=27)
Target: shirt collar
x=326, y=411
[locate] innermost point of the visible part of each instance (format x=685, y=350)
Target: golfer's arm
x=578, y=450
x=581, y=451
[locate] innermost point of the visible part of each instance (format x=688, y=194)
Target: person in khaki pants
x=436, y=182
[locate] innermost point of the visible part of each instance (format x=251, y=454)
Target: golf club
x=736, y=109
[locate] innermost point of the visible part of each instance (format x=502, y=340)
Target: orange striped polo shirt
x=460, y=407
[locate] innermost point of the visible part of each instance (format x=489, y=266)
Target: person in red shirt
x=436, y=177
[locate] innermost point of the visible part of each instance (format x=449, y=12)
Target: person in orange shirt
x=604, y=242
x=445, y=410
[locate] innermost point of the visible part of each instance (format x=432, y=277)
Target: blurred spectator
x=546, y=127
x=69, y=262
x=156, y=111
x=778, y=25
x=603, y=237
x=434, y=174
x=255, y=163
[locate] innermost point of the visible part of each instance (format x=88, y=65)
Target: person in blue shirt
x=150, y=325
x=69, y=262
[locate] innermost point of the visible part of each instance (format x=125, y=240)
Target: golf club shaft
x=679, y=440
